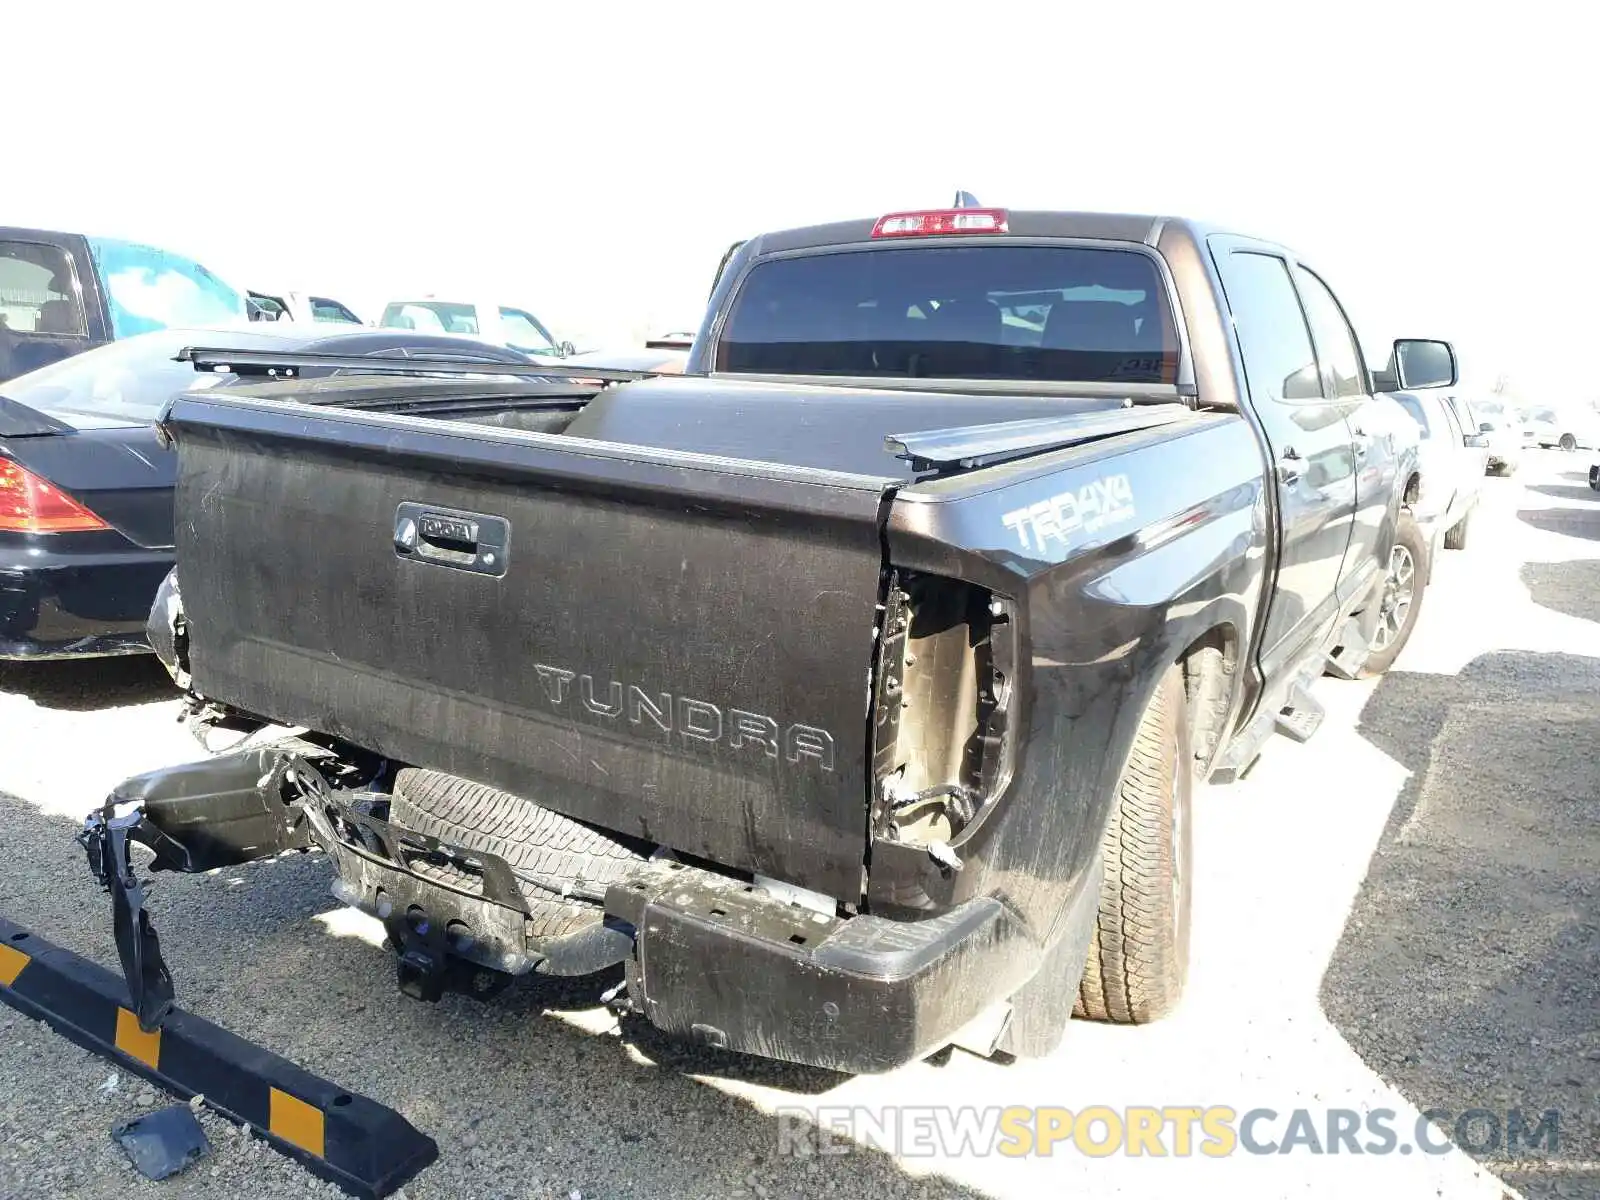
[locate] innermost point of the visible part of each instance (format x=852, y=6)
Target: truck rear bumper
x=713, y=958
x=732, y=967
x=708, y=956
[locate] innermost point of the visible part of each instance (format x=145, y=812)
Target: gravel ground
x=1401, y=914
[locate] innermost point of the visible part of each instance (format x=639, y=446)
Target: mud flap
x=195, y=817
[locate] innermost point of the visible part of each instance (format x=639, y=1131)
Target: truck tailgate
x=669, y=645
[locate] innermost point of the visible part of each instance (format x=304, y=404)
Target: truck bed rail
x=209, y=358
x=978, y=445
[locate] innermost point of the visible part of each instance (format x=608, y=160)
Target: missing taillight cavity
x=29, y=504
x=941, y=695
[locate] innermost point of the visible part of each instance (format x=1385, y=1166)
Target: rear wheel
x=1400, y=597
x=1139, y=953
x=534, y=841
x=1568, y=442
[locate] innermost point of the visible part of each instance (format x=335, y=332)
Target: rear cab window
x=125, y=382
x=39, y=291
x=431, y=316
x=1070, y=314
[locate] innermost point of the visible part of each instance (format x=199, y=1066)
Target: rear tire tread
x=1136, y=965
x=528, y=837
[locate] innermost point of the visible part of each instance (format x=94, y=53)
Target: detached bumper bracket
x=367, y=1149
x=106, y=840
x=221, y=811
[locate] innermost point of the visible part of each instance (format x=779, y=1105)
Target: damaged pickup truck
x=852, y=690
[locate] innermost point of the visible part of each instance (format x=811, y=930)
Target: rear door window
x=1452, y=421
x=1056, y=313
x=1279, y=361
x=1418, y=414
x=38, y=291
x=1336, y=341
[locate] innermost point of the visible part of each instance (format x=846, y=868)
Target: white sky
x=593, y=162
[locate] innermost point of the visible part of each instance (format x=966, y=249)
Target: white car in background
x=1569, y=428
x=488, y=321
x=1506, y=438
x=301, y=308
x=1453, y=457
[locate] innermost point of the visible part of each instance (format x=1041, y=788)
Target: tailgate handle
x=465, y=541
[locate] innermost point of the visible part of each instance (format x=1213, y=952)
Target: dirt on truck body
x=849, y=690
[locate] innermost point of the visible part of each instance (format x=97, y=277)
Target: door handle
x=475, y=542
x=1359, y=442
x=1290, y=465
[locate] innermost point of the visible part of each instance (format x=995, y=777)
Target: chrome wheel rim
x=1399, y=590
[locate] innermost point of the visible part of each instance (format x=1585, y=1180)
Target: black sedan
x=86, y=488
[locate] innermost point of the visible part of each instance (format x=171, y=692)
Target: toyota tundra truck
x=851, y=691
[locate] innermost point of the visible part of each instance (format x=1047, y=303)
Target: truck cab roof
x=1022, y=223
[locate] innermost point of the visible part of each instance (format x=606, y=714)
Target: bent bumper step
x=369, y=1150
x=708, y=955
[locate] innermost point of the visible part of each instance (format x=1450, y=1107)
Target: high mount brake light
x=935, y=221
x=28, y=504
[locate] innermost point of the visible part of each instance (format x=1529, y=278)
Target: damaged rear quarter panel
x=1125, y=553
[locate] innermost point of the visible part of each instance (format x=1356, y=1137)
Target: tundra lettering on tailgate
x=696, y=721
x=1098, y=503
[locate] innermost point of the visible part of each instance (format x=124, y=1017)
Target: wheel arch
x=1210, y=670
x=1412, y=492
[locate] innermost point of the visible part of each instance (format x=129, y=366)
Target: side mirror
x=1476, y=440
x=1424, y=363
x=566, y=349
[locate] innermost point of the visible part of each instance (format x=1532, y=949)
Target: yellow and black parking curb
x=365, y=1148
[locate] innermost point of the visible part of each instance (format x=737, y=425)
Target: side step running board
x=1301, y=717
x=1351, y=651
x=1296, y=714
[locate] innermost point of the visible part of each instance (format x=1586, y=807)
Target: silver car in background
x=1454, y=458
